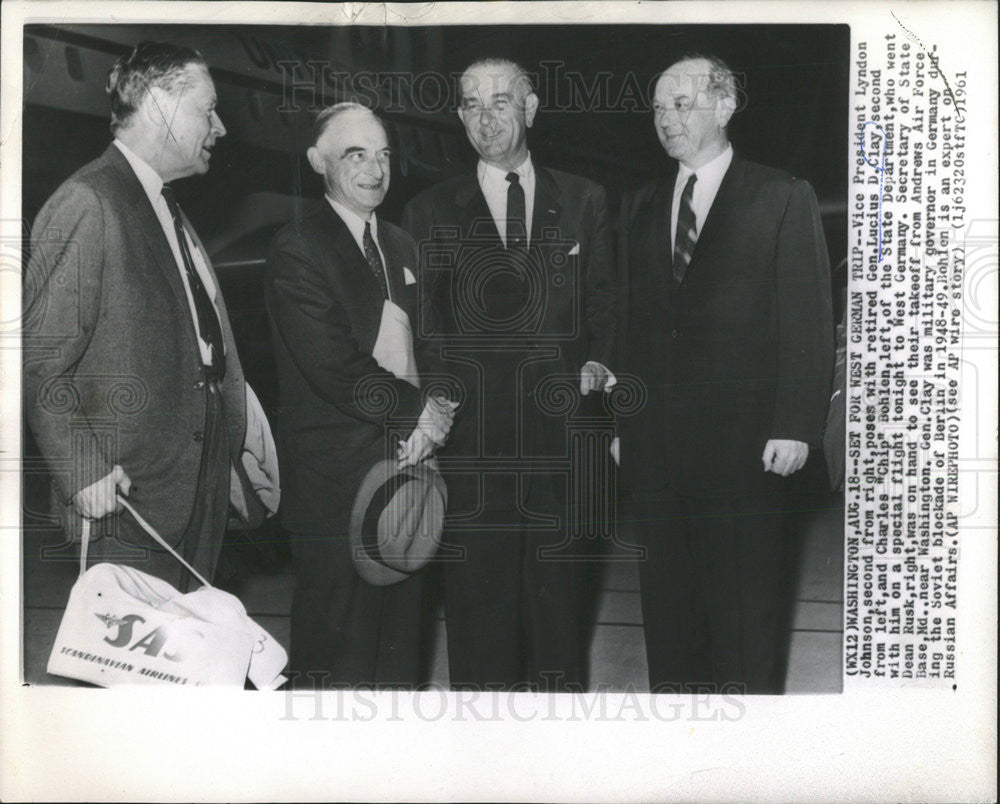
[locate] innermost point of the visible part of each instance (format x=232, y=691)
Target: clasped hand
x=784, y=457
x=431, y=431
x=593, y=377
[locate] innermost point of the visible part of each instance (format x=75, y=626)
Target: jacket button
x=674, y=334
x=198, y=436
x=199, y=384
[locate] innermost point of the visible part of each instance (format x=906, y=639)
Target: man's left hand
x=784, y=457
x=593, y=377
x=415, y=449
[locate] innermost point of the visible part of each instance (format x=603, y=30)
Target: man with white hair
x=332, y=277
x=725, y=304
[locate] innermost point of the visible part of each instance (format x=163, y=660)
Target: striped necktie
x=687, y=231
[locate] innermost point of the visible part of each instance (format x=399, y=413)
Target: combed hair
x=327, y=115
x=521, y=75
x=150, y=64
x=721, y=79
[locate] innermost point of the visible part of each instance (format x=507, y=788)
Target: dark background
x=794, y=78
x=794, y=81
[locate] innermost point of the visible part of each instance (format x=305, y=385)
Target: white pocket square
x=575, y=249
x=408, y=276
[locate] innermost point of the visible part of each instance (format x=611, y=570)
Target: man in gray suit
x=132, y=384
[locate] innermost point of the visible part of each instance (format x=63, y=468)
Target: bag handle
x=146, y=527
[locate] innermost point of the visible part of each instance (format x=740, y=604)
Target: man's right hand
x=432, y=430
x=97, y=500
x=437, y=418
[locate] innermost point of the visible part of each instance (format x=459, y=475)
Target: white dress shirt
x=494, y=184
x=356, y=226
x=705, y=189
x=153, y=186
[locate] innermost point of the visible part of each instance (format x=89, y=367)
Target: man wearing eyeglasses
x=727, y=320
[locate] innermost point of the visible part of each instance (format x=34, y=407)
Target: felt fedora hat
x=396, y=521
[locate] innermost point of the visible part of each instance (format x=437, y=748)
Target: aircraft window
x=73, y=64
x=32, y=55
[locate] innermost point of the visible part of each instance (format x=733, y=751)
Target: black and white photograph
x=383, y=366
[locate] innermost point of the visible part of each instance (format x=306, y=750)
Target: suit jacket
x=741, y=351
x=112, y=370
x=337, y=405
x=511, y=326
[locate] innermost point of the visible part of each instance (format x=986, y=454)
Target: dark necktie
x=375, y=260
x=687, y=231
x=208, y=319
x=517, y=230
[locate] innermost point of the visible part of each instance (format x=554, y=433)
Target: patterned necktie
x=208, y=320
x=517, y=231
x=687, y=231
x=375, y=260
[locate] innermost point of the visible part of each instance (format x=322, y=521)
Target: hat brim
x=381, y=475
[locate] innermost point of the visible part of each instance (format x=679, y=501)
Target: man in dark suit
x=132, y=383
x=333, y=277
x=518, y=260
x=727, y=320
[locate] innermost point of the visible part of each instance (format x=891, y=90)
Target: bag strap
x=146, y=527
x=84, y=545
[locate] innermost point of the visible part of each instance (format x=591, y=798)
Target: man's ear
x=725, y=108
x=530, y=108
x=461, y=114
x=316, y=161
x=156, y=106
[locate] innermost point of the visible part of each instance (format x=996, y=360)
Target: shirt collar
x=355, y=223
x=148, y=178
x=711, y=172
x=492, y=173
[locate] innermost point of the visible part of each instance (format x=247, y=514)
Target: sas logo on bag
x=152, y=643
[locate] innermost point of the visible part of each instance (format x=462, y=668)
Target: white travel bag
x=122, y=626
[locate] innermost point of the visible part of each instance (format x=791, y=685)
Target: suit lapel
x=346, y=255
x=474, y=213
x=720, y=211
x=655, y=224
x=147, y=222
x=152, y=231
x=394, y=261
x=663, y=204
x=547, y=211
